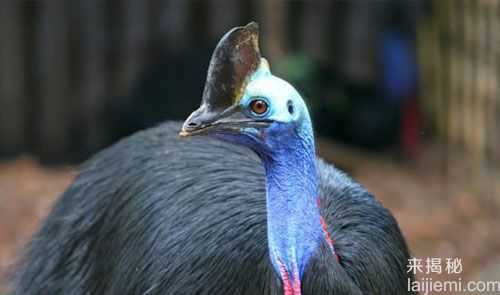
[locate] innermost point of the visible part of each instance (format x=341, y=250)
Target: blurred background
x=404, y=95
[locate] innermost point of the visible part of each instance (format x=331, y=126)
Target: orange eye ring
x=259, y=106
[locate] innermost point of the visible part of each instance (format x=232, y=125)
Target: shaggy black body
x=155, y=214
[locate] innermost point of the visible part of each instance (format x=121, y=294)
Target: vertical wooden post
x=274, y=33
x=431, y=70
x=175, y=24
x=454, y=102
x=468, y=70
x=135, y=42
x=442, y=14
x=493, y=78
x=495, y=64
x=94, y=79
x=223, y=15
x=12, y=97
x=317, y=30
x=426, y=50
x=476, y=144
x=54, y=76
x=440, y=93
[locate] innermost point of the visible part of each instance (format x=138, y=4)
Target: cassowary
x=246, y=209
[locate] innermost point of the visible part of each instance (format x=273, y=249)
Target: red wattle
x=328, y=238
x=291, y=285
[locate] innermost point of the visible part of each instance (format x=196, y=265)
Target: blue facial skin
x=287, y=150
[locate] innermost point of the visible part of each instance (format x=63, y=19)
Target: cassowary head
x=245, y=104
x=243, y=101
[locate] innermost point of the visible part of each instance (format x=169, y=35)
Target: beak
x=204, y=120
x=235, y=59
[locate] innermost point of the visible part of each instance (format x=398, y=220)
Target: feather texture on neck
x=293, y=218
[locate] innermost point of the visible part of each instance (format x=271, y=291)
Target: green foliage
x=318, y=85
x=300, y=70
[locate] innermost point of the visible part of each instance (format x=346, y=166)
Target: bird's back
x=155, y=214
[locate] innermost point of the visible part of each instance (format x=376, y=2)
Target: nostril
x=192, y=125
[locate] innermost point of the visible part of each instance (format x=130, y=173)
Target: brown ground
x=443, y=210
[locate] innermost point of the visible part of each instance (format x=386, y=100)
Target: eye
x=290, y=107
x=259, y=106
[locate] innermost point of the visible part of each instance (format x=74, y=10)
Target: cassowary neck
x=293, y=218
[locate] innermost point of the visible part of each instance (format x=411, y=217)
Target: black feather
x=155, y=214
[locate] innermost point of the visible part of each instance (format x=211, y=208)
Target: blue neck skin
x=293, y=219
x=294, y=228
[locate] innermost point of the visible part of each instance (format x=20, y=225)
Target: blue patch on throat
x=293, y=218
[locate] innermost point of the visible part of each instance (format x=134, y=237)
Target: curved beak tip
x=184, y=133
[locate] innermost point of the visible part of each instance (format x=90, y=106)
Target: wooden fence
x=460, y=74
x=61, y=62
